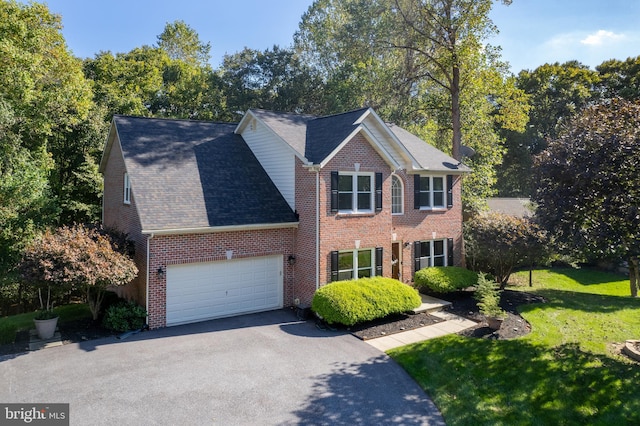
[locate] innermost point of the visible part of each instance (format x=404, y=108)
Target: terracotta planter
x=494, y=323
x=46, y=328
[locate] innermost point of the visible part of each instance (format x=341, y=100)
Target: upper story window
x=397, y=195
x=433, y=192
x=127, y=189
x=356, y=192
x=352, y=264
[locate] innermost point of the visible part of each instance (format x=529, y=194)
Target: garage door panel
x=201, y=291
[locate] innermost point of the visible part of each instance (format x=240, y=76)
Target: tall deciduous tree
x=556, y=93
x=587, y=185
x=424, y=65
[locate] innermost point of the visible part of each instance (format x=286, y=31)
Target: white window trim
x=433, y=207
x=431, y=256
x=399, y=180
x=127, y=189
x=356, y=268
x=354, y=192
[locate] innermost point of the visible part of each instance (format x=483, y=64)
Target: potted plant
x=46, y=320
x=488, y=296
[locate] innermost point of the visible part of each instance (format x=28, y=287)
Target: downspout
x=148, y=274
x=317, y=228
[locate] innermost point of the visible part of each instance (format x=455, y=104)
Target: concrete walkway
x=451, y=324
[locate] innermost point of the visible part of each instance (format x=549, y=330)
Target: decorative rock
x=631, y=350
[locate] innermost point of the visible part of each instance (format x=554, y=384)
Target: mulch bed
x=464, y=305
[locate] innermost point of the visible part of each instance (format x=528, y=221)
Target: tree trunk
x=455, y=114
x=634, y=278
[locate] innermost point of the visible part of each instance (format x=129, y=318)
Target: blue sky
x=532, y=32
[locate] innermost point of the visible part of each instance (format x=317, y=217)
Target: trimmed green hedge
x=354, y=301
x=443, y=279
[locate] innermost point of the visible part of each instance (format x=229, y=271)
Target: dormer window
x=127, y=189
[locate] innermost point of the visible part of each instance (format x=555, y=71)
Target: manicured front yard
x=568, y=370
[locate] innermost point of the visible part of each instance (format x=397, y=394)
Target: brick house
x=238, y=218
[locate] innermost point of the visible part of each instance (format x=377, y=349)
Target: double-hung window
x=356, y=192
x=358, y=263
x=433, y=192
x=433, y=253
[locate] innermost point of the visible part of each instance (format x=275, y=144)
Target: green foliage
x=587, y=183
x=566, y=371
x=488, y=296
x=124, y=316
x=443, y=279
x=497, y=243
x=355, y=301
x=77, y=257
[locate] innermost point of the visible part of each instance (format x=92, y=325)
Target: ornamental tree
x=587, y=185
x=78, y=257
x=497, y=243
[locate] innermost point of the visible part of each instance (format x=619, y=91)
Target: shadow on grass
x=477, y=381
x=586, y=302
x=589, y=276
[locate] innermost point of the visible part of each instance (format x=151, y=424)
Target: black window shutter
x=449, y=251
x=334, y=266
x=449, y=190
x=378, y=191
x=379, y=261
x=416, y=191
x=334, y=191
x=416, y=256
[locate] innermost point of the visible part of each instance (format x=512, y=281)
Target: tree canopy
x=587, y=183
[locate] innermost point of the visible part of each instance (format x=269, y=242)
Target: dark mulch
x=464, y=305
x=392, y=324
x=514, y=325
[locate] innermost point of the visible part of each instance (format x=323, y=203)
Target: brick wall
x=124, y=217
x=192, y=248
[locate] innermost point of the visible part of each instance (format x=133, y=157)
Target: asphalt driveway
x=262, y=369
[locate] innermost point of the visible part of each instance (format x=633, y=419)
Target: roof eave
x=217, y=229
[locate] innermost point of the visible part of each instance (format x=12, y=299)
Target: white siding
x=383, y=139
x=276, y=157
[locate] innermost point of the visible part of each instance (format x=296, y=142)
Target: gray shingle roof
x=192, y=174
x=427, y=156
x=315, y=138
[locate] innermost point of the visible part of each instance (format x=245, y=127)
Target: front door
x=395, y=260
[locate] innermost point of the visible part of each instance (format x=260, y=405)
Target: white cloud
x=602, y=37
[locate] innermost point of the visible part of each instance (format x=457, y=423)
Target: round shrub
x=443, y=279
x=354, y=301
x=124, y=316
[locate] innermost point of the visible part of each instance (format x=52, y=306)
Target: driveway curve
x=262, y=369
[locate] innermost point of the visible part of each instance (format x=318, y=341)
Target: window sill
x=356, y=214
x=433, y=209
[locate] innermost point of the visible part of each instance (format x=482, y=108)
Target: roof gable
x=192, y=174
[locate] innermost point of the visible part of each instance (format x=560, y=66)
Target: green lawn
x=9, y=326
x=566, y=371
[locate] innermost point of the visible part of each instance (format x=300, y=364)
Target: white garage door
x=201, y=291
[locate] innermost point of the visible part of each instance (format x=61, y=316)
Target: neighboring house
x=519, y=207
x=238, y=218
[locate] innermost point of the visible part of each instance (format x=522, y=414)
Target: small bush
x=488, y=296
x=443, y=279
x=354, y=301
x=124, y=316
